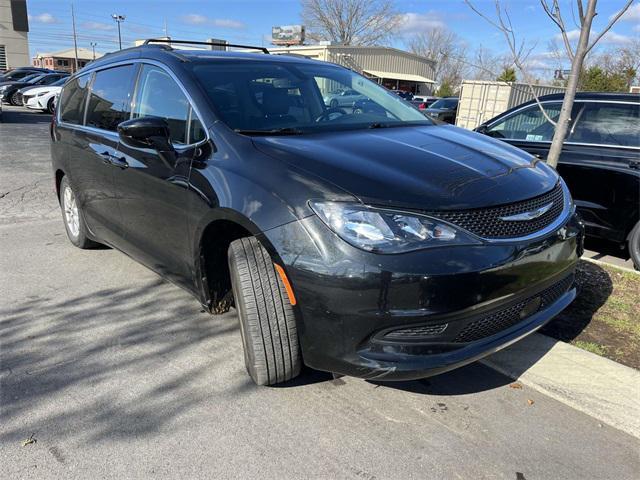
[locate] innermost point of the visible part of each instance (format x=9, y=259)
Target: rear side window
x=601, y=123
x=110, y=100
x=528, y=124
x=72, y=100
x=158, y=95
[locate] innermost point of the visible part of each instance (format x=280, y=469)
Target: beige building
x=14, y=34
x=65, y=59
x=393, y=68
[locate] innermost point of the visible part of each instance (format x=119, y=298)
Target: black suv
x=600, y=159
x=375, y=244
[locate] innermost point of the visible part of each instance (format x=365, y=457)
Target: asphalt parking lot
x=118, y=374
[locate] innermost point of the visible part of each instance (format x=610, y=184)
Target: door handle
x=114, y=160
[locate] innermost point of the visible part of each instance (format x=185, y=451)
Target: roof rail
x=213, y=44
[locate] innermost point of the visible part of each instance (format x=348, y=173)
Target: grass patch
x=605, y=317
x=591, y=347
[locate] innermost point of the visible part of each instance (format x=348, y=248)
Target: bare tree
x=443, y=47
x=520, y=52
x=350, y=22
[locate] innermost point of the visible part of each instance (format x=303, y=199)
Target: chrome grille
x=487, y=223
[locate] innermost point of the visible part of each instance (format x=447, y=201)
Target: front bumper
x=348, y=300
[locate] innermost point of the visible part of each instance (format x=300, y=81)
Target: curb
x=597, y=386
x=600, y=262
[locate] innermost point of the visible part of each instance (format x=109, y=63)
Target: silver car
x=342, y=98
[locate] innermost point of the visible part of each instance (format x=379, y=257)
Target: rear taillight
x=422, y=106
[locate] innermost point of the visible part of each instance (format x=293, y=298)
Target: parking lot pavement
x=118, y=374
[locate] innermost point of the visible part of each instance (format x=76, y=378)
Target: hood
x=429, y=167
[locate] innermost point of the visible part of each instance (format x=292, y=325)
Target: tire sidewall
x=634, y=246
x=249, y=354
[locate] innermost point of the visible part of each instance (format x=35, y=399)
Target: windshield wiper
x=378, y=125
x=275, y=131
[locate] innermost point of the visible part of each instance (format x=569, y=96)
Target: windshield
x=447, y=103
x=255, y=97
x=59, y=83
x=32, y=78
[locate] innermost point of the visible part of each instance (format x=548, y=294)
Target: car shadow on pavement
x=12, y=114
x=119, y=361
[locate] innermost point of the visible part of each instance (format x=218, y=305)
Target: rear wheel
x=267, y=321
x=634, y=246
x=15, y=99
x=333, y=103
x=72, y=216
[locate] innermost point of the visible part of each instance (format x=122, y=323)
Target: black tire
x=333, y=103
x=15, y=99
x=80, y=238
x=50, y=106
x=358, y=110
x=267, y=320
x=634, y=246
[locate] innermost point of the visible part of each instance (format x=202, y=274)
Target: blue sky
x=250, y=21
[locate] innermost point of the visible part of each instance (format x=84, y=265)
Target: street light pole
x=93, y=46
x=119, y=19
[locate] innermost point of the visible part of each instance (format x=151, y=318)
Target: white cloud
x=98, y=26
x=615, y=38
x=610, y=37
x=420, y=22
x=43, y=18
x=197, y=19
x=633, y=14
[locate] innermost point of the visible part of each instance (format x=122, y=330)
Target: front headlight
x=388, y=231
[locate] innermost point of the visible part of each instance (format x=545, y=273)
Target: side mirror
x=481, y=129
x=146, y=132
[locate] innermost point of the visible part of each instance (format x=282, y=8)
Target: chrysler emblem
x=531, y=215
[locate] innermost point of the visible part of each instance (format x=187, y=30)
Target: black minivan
x=374, y=244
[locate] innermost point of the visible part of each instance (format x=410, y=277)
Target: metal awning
x=399, y=76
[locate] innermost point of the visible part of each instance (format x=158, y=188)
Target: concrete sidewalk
x=595, y=385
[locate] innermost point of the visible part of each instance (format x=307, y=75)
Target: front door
x=153, y=191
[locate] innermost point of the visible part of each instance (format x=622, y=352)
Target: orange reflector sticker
x=287, y=285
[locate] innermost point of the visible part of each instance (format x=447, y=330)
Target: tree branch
x=610, y=24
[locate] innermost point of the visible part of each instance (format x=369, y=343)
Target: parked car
x=342, y=98
x=42, y=98
x=10, y=91
x=422, y=102
x=444, y=110
x=376, y=245
x=21, y=72
x=600, y=159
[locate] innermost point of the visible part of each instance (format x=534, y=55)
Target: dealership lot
x=115, y=372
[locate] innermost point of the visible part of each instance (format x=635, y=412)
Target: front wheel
x=72, y=216
x=634, y=246
x=267, y=320
x=51, y=106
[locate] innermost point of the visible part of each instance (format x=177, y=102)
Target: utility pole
x=93, y=46
x=75, y=38
x=119, y=19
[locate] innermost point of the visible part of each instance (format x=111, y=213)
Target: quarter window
x=160, y=96
x=529, y=124
x=110, y=100
x=615, y=124
x=72, y=100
